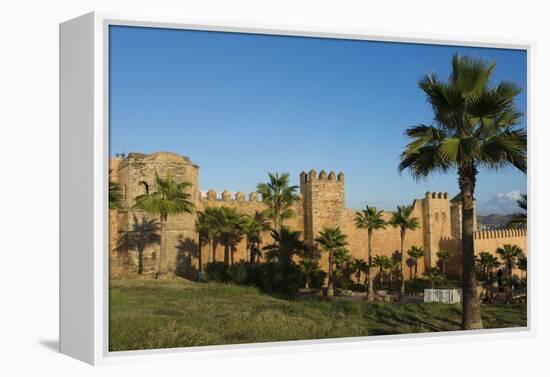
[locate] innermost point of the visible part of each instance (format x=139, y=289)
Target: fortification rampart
x=321, y=204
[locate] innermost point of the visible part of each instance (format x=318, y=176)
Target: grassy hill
x=147, y=314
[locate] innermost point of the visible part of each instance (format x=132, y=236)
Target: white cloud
x=502, y=202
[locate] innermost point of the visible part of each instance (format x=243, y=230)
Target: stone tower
x=136, y=176
x=323, y=199
x=437, y=223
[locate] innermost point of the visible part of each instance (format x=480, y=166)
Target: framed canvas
x=243, y=189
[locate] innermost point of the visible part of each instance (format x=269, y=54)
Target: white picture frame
x=84, y=146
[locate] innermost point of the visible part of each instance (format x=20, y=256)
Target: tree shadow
x=187, y=251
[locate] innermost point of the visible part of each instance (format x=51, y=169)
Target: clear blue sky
x=240, y=105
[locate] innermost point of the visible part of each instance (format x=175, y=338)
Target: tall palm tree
x=371, y=219
x=415, y=253
x=230, y=225
x=253, y=228
x=509, y=254
x=475, y=125
x=443, y=256
x=170, y=198
x=403, y=220
x=330, y=240
x=286, y=244
x=115, y=195
x=520, y=219
x=279, y=197
x=144, y=233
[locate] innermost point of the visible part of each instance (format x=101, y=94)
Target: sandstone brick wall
x=487, y=241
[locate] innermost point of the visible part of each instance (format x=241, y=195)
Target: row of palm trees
x=372, y=219
x=512, y=256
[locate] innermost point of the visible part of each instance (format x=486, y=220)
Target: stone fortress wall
x=322, y=205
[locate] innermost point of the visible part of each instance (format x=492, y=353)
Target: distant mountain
x=493, y=221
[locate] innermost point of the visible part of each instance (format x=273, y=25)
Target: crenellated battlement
x=436, y=195
x=226, y=196
x=500, y=233
x=312, y=176
x=494, y=234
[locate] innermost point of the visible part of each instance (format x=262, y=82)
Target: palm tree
x=170, y=198
x=253, y=228
x=382, y=262
x=115, y=195
x=230, y=225
x=309, y=268
x=144, y=233
x=415, y=253
x=358, y=265
x=433, y=274
x=520, y=219
x=443, y=256
x=330, y=240
x=341, y=260
x=392, y=266
x=488, y=262
x=475, y=126
x=509, y=253
x=371, y=219
x=403, y=220
x=522, y=265
x=279, y=197
x=207, y=225
x=286, y=244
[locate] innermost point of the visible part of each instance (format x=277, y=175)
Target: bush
x=418, y=285
x=217, y=271
x=272, y=277
x=317, y=279
x=280, y=277
x=237, y=273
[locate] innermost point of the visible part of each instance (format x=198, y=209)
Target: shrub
x=237, y=273
x=318, y=279
x=217, y=271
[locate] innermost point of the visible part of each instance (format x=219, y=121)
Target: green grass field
x=147, y=314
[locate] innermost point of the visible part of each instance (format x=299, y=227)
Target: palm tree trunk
x=391, y=281
x=471, y=314
x=330, y=288
x=443, y=267
x=211, y=256
x=415, y=268
x=226, y=253
x=199, y=254
x=402, y=289
x=160, y=269
x=140, y=261
x=370, y=288
x=380, y=278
